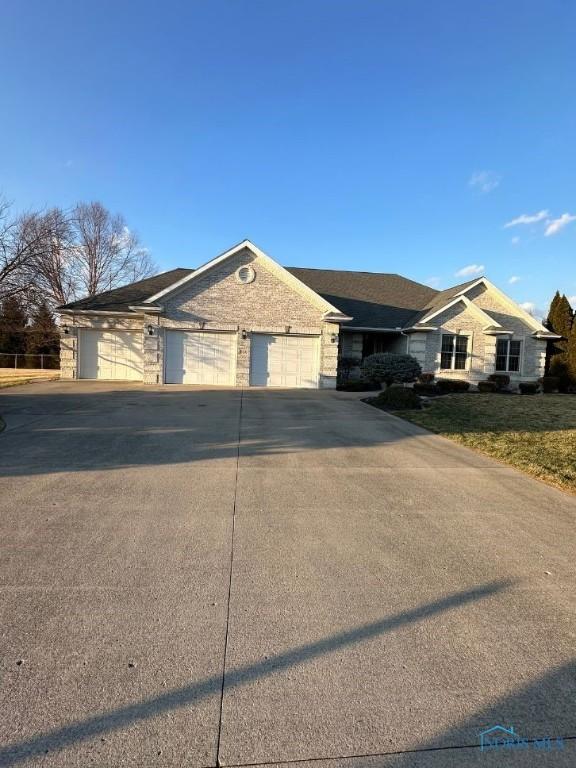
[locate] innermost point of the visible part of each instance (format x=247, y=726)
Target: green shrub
x=424, y=388
x=358, y=385
x=549, y=384
x=559, y=369
x=528, y=387
x=390, y=368
x=487, y=386
x=397, y=399
x=502, y=380
x=446, y=386
x=426, y=378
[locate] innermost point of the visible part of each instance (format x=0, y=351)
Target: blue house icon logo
x=497, y=736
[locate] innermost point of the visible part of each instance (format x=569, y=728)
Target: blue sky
x=391, y=136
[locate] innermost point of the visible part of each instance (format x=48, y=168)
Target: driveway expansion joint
x=233, y=531
x=363, y=755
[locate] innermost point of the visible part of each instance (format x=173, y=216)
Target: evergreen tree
x=571, y=355
x=43, y=337
x=549, y=322
x=561, y=321
x=13, y=322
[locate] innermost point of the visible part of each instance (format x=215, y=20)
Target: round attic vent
x=245, y=275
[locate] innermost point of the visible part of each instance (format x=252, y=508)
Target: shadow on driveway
x=189, y=695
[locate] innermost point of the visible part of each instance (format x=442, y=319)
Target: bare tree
x=21, y=240
x=51, y=267
x=58, y=256
x=106, y=254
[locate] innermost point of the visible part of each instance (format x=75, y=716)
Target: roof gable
x=292, y=281
x=507, y=302
x=481, y=315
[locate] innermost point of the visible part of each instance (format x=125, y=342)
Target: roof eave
x=148, y=309
x=542, y=335
x=117, y=312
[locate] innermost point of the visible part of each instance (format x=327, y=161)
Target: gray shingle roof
x=372, y=299
x=375, y=299
x=120, y=299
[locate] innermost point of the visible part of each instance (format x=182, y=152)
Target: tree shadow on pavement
x=189, y=695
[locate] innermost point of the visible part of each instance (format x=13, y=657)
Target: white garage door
x=111, y=355
x=284, y=361
x=200, y=358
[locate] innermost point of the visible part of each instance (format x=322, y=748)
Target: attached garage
x=284, y=361
x=196, y=357
x=111, y=355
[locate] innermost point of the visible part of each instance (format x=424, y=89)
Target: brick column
x=243, y=360
x=328, y=356
x=152, y=347
x=68, y=353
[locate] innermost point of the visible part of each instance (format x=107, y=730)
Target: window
x=454, y=352
x=508, y=355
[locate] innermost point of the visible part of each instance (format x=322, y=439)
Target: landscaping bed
x=536, y=434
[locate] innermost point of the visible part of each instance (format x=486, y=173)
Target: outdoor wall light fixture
x=287, y=328
x=66, y=329
x=244, y=334
x=150, y=330
x=334, y=338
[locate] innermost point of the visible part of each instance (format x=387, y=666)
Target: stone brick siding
x=351, y=344
x=217, y=301
x=481, y=346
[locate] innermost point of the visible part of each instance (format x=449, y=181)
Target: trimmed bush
x=502, y=380
x=428, y=389
x=528, y=387
x=426, y=378
x=390, y=368
x=487, y=386
x=397, y=399
x=446, y=386
x=358, y=385
x=549, y=384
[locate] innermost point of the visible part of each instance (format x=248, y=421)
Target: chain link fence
x=38, y=362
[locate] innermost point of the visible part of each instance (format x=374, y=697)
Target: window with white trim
x=454, y=352
x=508, y=355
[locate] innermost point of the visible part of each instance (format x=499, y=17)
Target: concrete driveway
x=193, y=577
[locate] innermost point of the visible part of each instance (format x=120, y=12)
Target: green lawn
x=535, y=433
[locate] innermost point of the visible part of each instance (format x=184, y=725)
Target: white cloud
x=471, y=269
x=555, y=225
x=515, y=240
x=433, y=282
x=484, y=181
x=514, y=279
x=572, y=300
x=527, y=218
